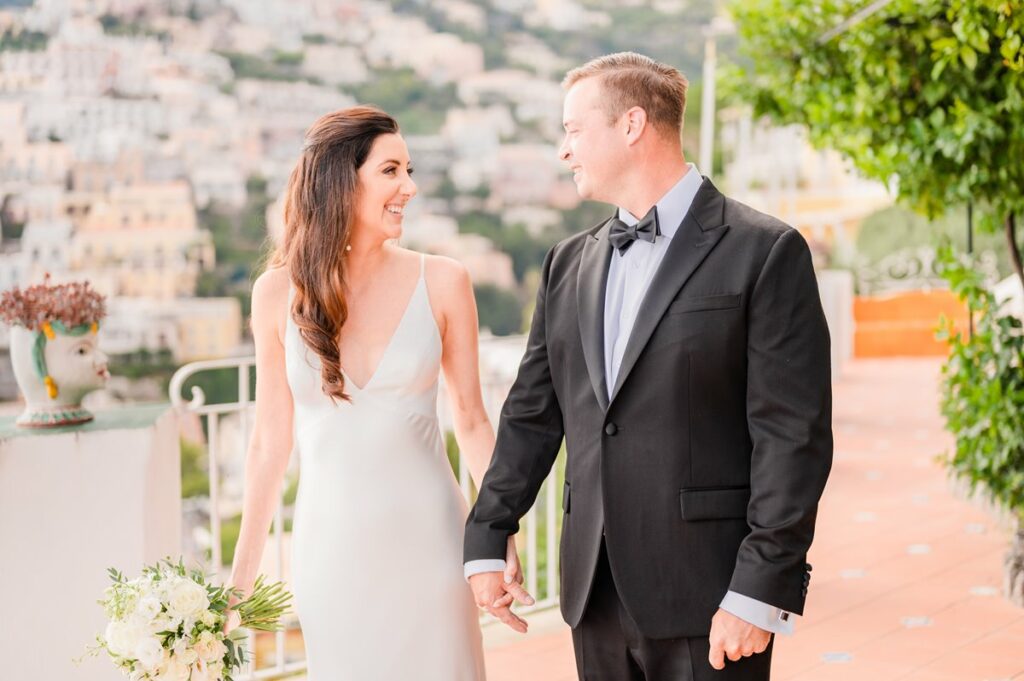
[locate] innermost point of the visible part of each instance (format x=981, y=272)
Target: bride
x=351, y=333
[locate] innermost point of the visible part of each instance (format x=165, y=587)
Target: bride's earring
x=348, y=248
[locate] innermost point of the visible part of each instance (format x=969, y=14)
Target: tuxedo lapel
x=696, y=237
x=591, y=283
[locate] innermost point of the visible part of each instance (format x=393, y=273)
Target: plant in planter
x=53, y=349
x=983, y=402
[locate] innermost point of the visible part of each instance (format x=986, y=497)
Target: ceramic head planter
x=56, y=361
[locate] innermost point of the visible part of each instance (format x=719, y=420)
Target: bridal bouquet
x=167, y=625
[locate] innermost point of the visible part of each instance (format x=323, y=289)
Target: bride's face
x=385, y=187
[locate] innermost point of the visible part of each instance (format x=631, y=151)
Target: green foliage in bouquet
x=169, y=623
x=262, y=610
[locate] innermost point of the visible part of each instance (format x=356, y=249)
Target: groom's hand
x=734, y=638
x=513, y=585
x=489, y=590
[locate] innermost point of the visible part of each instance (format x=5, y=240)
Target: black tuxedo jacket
x=705, y=467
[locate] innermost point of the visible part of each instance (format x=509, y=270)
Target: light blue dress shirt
x=629, y=275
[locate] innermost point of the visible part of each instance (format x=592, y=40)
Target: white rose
x=164, y=622
x=187, y=599
x=122, y=637
x=149, y=653
x=148, y=607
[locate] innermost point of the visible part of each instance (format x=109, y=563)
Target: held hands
x=734, y=638
x=495, y=591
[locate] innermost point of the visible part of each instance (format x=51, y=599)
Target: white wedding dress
x=379, y=517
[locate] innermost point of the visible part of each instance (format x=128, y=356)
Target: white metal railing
x=537, y=540
x=213, y=413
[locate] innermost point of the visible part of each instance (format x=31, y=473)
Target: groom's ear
x=635, y=124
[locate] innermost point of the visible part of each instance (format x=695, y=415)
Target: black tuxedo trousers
x=703, y=470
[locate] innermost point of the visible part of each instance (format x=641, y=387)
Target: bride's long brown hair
x=319, y=204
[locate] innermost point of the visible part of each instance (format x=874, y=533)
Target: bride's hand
x=514, y=590
x=233, y=620
x=232, y=623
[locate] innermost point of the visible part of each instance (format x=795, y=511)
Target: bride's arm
x=271, y=442
x=473, y=430
x=460, y=361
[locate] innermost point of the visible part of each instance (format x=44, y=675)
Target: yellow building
x=143, y=241
x=190, y=328
x=776, y=170
x=208, y=328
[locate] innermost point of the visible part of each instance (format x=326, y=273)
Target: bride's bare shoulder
x=272, y=283
x=270, y=297
x=446, y=274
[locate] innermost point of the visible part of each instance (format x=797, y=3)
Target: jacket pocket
x=724, y=301
x=714, y=503
x=565, y=498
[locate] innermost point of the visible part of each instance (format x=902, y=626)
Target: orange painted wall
x=904, y=324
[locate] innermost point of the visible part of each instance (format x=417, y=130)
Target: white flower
x=207, y=671
x=148, y=607
x=184, y=652
x=209, y=647
x=200, y=672
x=215, y=670
x=209, y=618
x=187, y=599
x=174, y=670
x=165, y=621
x=149, y=653
x=122, y=637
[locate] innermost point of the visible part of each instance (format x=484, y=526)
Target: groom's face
x=594, y=148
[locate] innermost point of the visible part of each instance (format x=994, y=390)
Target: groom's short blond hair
x=629, y=79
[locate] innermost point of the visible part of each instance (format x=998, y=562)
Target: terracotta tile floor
x=906, y=573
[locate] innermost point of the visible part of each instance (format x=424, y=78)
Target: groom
x=681, y=351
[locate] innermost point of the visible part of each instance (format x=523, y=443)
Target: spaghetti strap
x=423, y=265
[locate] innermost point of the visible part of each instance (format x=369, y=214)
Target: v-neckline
x=387, y=347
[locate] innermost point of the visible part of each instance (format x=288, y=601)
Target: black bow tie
x=622, y=235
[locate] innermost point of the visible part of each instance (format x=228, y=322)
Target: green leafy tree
x=499, y=310
x=252, y=66
x=927, y=92
x=32, y=41
x=927, y=95
x=983, y=402
x=288, y=59
x=418, y=105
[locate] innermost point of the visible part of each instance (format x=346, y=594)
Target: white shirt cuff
x=475, y=567
x=758, y=613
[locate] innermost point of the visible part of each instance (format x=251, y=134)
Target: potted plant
x=56, y=361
